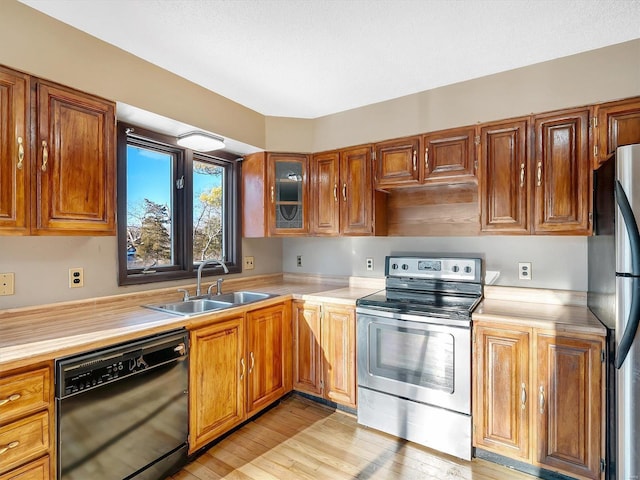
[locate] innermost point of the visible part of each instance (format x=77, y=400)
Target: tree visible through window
x=177, y=207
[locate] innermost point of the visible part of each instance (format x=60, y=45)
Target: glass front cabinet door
x=288, y=185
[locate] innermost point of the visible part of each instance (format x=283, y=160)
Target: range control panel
x=437, y=268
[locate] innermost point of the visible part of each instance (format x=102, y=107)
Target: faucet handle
x=185, y=295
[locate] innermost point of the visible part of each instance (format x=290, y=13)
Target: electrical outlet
x=369, y=264
x=299, y=261
x=6, y=283
x=248, y=263
x=524, y=270
x=76, y=277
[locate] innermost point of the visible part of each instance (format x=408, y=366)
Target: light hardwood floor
x=300, y=439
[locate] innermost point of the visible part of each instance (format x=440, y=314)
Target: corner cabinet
x=57, y=159
x=274, y=194
x=324, y=362
x=617, y=124
x=538, y=397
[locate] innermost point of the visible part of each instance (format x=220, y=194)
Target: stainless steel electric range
x=414, y=351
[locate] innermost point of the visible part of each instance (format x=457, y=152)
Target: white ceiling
x=309, y=58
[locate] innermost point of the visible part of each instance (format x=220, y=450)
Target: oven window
x=415, y=356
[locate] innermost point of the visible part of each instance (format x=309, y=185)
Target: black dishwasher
x=122, y=411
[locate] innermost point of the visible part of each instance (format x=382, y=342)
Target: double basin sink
x=210, y=303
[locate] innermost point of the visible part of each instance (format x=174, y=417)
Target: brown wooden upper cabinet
x=274, y=194
x=504, y=206
x=446, y=156
x=342, y=196
x=562, y=173
x=14, y=152
x=617, y=124
x=544, y=188
x=450, y=156
x=59, y=157
x=398, y=163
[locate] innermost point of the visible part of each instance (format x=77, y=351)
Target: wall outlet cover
x=76, y=277
x=7, y=281
x=524, y=271
x=369, y=264
x=299, y=261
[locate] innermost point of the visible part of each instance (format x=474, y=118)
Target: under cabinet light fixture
x=200, y=141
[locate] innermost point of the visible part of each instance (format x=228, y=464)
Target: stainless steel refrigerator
x=614, y=297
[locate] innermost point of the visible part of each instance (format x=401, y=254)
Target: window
x=176, y=207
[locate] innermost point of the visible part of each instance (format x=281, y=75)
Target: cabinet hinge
x=594, y=122
x=595, y=151
x=477, y=140
x=603, y=356
x=590, y=217
x=373, y=155
x=603, y=465
x=321, y=313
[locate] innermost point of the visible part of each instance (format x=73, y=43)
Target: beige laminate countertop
x=34, y=334
x=576, y=319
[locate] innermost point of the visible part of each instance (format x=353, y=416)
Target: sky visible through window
x=149, y=176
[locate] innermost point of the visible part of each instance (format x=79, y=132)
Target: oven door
x=409, y=357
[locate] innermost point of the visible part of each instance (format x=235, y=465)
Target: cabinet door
x=568, y=400
x=338, y=341
x=288, y=182
x=307, y=350
x=75, y=163
x=504, y=178
x=562, y=172
x=14, y=152
x=216, y=380
x=324, y=190
x=397, y=163
x=502, y=394
x=266, y=362
x=449, y=156
x=356, y=209
x=618, y=125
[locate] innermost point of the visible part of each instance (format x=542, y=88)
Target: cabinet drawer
x=38, y=470
x=23, y=440
x=24, y=393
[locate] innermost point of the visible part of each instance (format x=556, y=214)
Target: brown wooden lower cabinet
x=26, y=423
x=216, y=390
x=37, y=470
x=239, y=365
x=324, y=351
x=538, y=397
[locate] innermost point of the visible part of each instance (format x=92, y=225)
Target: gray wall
x=41, y=266
x=557, y=262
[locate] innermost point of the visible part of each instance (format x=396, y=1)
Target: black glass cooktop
x=433, y=304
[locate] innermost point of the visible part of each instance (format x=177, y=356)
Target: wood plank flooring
x=300, y=439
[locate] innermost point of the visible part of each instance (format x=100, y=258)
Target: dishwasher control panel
x=92, y=370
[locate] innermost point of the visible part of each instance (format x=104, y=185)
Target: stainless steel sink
x=210, y=303
x=190, y=307
x=241, y=297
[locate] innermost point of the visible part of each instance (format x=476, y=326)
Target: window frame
x=182, y=214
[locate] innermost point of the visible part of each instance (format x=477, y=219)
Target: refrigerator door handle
x=631, y=226
x=632, y=323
